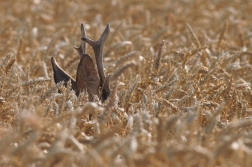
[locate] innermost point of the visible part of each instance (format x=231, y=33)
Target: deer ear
x=60, y=75
x=87, y=78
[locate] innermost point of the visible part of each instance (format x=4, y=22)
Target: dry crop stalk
x=222, y=35
x=158, y=58
x=194, y=38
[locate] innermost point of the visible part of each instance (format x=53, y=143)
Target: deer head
x=87, y=78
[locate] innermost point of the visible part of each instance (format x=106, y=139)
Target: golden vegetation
x=181, y=94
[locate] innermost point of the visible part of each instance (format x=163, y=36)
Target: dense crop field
x=182, y=95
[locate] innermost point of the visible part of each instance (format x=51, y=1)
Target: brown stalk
x=222, y=36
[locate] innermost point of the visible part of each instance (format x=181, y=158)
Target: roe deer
x=87, y=78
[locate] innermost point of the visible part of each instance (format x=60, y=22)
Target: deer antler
x=59, y=73
x=82, y=48
x=98, y=51
x=86, y=78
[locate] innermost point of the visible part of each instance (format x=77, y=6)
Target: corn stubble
x=180, y=90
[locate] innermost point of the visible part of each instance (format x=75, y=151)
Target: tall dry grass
x=186, y=102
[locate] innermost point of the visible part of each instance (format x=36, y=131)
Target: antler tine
x=60, y=75
x=82, y=48
x=98, y=50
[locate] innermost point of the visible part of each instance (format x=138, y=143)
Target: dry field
x=182, y=97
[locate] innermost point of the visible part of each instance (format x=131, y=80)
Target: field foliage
x=182, y=96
